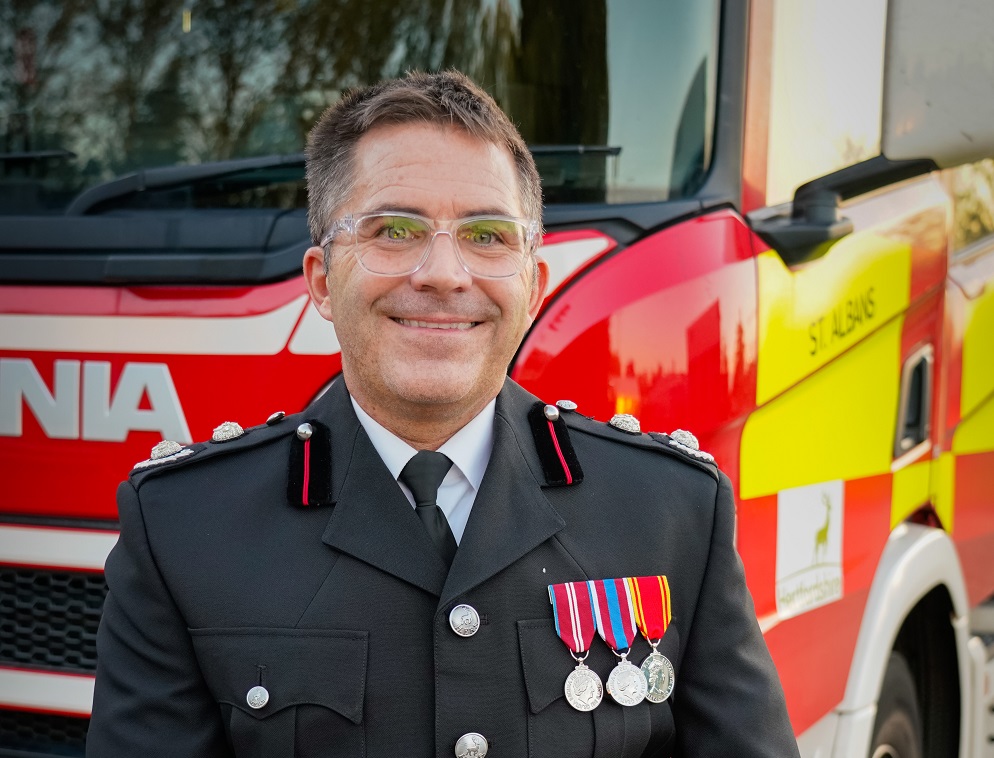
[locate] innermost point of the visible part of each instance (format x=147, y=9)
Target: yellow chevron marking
x=978, y=352
x=944, y=488
x=810, y=315
x=845, y=414
x=910, y=491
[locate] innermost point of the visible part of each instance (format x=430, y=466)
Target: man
x=317, y=586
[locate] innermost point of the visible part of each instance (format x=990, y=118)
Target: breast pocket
x=292, y=693
x=608, y=731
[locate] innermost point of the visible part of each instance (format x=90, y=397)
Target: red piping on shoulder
x=559, y=452
x=307, y=470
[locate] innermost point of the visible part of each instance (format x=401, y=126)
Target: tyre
x=897, y=730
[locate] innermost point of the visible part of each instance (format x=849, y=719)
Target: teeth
x=434, y=325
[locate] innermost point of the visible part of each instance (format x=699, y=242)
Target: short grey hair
x=446, y=97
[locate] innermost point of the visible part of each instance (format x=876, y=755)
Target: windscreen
x=614, y=97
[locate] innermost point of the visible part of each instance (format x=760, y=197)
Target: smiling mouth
x=452, y=325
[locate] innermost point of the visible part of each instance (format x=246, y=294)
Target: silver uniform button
x=551, y=412
x=257, y=697
x=464, y=620
x=471, y=745
x=566, y=405
x=304, y=431
x=275, y=418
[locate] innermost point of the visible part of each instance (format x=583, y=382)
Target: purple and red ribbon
x=617, y=608
x=614, y=612
x=572, y=609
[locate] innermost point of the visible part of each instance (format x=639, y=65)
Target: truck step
x=982, y=664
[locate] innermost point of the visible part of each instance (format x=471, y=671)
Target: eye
x=482, y=236
x=399, y=229
x=391, y=229
x=396, y=231
x=491, y=232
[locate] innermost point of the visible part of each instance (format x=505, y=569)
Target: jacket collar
x=373, y=521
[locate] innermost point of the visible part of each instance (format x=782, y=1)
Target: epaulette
x=555, y=451
x=625, y=428
x=227, y=438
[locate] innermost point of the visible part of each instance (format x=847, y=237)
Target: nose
x=442, y=270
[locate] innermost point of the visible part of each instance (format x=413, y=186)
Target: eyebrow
x=387, y=208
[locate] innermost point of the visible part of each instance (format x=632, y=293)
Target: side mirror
x=815, y=222
x=938, y=94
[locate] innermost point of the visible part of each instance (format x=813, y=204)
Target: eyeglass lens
x=388, y=244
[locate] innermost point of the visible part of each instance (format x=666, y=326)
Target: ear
x=539, y=287
x=317, y=281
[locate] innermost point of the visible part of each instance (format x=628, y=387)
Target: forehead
x=438, y=171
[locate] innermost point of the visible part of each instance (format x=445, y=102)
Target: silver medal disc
x=626, y=684
x=659, y=676
x=584, y=689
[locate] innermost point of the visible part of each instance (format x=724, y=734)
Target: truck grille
x=49, y=619
x=38, y=734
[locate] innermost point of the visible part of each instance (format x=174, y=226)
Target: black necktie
x=422, y=475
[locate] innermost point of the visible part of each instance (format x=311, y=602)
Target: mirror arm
x=815, y=222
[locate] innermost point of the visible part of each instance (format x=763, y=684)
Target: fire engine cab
x=768, y=222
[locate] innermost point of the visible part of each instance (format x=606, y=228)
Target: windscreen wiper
x=178, y=176
x=173, y=176
x=574, y=149
x=36, y=156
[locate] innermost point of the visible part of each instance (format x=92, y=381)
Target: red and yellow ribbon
x=651, y=601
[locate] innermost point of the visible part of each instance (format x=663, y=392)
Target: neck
x=422, y=426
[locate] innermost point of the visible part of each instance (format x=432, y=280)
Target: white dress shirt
x=468, y=449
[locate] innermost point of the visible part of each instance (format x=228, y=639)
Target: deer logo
x=821, y=536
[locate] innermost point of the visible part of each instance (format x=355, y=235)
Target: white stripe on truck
x=67, y=694
x=79, y=549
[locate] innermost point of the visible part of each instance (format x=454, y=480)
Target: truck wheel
x=897, y=730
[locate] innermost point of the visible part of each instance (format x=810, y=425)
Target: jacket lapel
x=511, y=516
x=371, y=519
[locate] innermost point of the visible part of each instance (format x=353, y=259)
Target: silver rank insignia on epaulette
x=683, y=440
x=165, y=452
x=626, y=422
x=227, y=431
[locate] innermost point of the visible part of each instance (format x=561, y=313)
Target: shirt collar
x=469, y=449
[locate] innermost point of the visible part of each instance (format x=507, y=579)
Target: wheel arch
x=919, y=572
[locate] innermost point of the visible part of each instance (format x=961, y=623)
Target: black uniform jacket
x=341, y=612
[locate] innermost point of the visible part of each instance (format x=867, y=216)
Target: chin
x=433, y=392
x=441, y=386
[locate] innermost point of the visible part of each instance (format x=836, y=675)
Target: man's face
x=392, y=364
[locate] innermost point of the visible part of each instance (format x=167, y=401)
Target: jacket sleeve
x=728, y=700
x=150, y=698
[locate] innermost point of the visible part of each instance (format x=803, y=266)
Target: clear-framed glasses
x=394, y=243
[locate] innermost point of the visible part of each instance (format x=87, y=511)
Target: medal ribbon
x=572, y=608
x=613, y=612
x=652, y=605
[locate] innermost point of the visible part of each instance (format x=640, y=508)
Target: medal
x=651, y=596
x=572, y=609
x=615, y=618
x=659, y=677
x=626, y=684
x=584, y=689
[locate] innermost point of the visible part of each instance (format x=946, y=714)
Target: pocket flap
x=547, y=662
x=545, y=667
x=296, y=666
